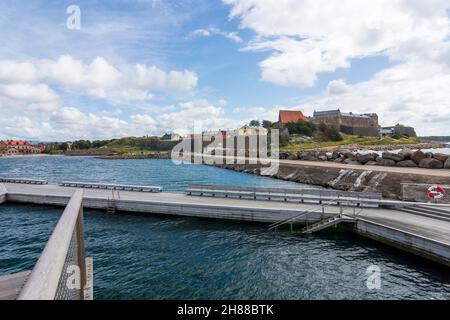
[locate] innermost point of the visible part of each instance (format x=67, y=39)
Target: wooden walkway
x=426, y=236
x=12, y=285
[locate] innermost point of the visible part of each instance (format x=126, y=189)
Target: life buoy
x=436, y=192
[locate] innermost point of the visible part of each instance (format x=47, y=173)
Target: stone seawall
x=387, y=183
x=155, y=155
x=405, y=158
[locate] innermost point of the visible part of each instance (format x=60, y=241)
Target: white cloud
x=27, y=92
x=336, y=87
x=98, y=79
x=43, y=122
x=308, y=37
x=233, y=36
x=413, y=93
x=196, y=113
x=17, y=71
x=152, y=77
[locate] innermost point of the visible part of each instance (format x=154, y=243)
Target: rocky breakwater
x=405, y=158
x=370, y=172
x=153, y=155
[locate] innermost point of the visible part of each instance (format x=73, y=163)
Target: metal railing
x=23, y=181
x=321, y=208
x=287, y=191
x=109, y=186
x=350, y=198
x=61, y=272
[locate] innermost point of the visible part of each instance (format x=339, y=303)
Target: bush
x=328, y=133
x=301, y=127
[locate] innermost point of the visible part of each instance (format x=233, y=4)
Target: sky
x=147, y=67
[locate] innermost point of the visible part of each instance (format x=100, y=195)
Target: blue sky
x=161, y=65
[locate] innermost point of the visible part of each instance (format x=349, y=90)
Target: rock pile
x=404, y=158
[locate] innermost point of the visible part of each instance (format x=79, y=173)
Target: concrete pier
x=427, y=237
x=2, y=193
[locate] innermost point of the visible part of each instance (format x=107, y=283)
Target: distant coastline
x=38, y=155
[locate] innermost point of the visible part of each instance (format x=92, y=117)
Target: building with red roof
x=286, y=116
x=11, y=147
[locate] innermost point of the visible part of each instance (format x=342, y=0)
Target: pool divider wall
x=264, y=215
x=2, y=193
x=419, y=245
x=413, y=242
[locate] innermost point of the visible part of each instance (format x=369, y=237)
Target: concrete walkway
x=427, y=237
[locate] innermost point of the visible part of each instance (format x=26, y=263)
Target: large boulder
x=431, y=163
x=447, y=164
x=372, y=163
x=348, y=154
x=292, y=156
x=406, y=153
x=350, y=161
x=364, y=158
x=385, y=162
x=441, y=156
x=393, y=156
x=418, y=156
x=309, y=156
x=406, y=164
x=335, y=155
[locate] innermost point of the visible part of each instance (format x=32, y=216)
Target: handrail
x=43, y=281
x=111, y=186
x=303, y=213
x=23, y=181
x=366, y=195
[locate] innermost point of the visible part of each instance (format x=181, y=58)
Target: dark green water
x=150, y=257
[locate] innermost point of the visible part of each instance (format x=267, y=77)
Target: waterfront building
x=171, y=137
x=12, y=147
x=365, y=124
x=398, y=130
x=251, y=131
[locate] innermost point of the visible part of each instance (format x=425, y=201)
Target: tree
x=255, y=123
x=301, y=127
x=82, y=144
x=267, y=124
x=329, y=133
x=64, y=146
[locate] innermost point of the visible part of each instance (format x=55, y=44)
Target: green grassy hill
x=313, y=143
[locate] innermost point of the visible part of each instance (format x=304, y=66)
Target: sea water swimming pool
x=149, y=257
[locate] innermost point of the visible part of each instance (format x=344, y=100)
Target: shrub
x=329, y=133
x=301, y=127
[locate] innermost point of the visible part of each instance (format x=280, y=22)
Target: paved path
x=328, y=164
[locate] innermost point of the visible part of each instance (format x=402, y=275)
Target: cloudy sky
x=143, y=67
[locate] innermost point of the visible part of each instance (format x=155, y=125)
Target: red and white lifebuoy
x=436, y=192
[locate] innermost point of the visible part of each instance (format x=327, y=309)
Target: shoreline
x=358, y=147
x=40, y=155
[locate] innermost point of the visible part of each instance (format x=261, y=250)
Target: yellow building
x=252, y=131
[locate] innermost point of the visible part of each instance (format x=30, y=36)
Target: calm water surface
x=149, y=257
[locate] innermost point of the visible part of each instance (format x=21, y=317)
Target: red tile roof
x=287, y=116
